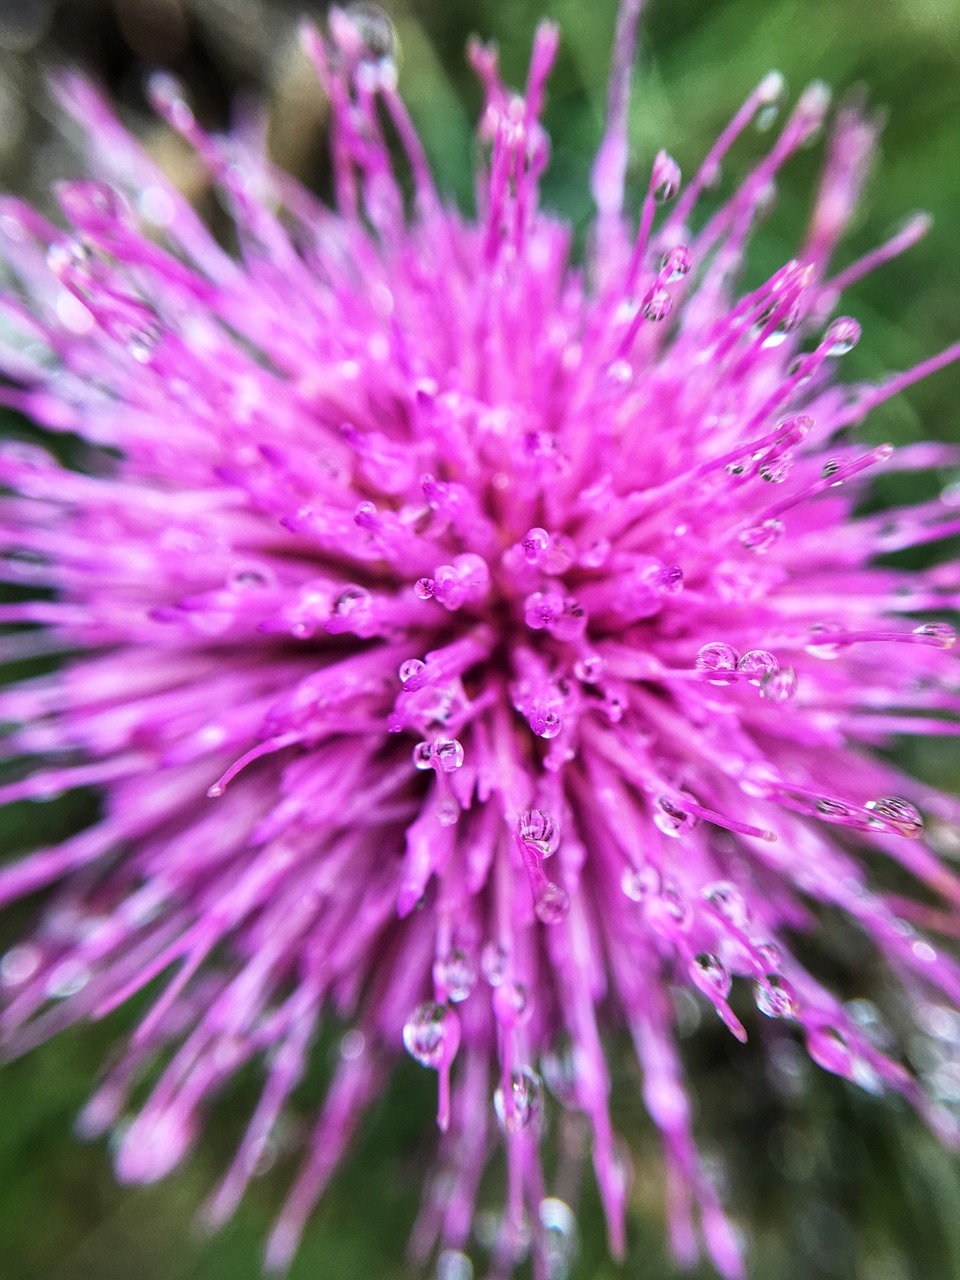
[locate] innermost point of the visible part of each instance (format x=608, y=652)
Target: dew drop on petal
x=640, y=883
x=776, y=470
x=448, y=753
x=69, y=258
x=447, y=811
x=552, y=904
x=769, y=954
x=410, y=669
x=776, y=997
x=560, y=1237
x=457, y=973
x=454, y=1265
x=619, y=373
x=711, y=975
x=519, y=1105
x=795, y=429
x=67, y=979
x=423, y=588
x=759, y=538
x=719, y=660
x=657, y=304
x=670, y=818
x=779, y=686
x=901, y=815
x=423, y=755
x=727, y=900
x=819, y=645
x=758, y=663
x=511, y=1003
x=666, y=178
x=431, y=1034
x=841, y=336
x=535, y=542
x=350, y=601
x=588, y=668
x=675, y=264
x=140, y=340
x=19, y=964
x=941, y=633
x=494, y=960
x=540, y=830
x=829, y=1049
x=671, y=907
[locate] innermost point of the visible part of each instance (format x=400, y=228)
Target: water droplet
x=454, y=1265
x=675, y=264
x=779, y=686
x=834, y=810
x=719, y=659
x=595, y=556
x=899, y=814
x=520, y=1105
x=350, y=601
x=943, y=635
x=758, y=663
x=67, y=979
x=795, y=429
x=534, y=543
x=787, y=319
x=768, y=953
x=70, y=259
x=665, y=182
x=352, y=1045
x=431, y=1034
x=85, y=200
x=761, y=537
x=423, y=755
x=494, y=959
x=640, y=883
x=776, y=997
x=448, y=753
x=829, y=1049
x=776, y=470
x=841, y=336
x=250, y=578
x=819, y=645
x=670, y=906
x=423, y=588
x=19, y=964
x=168, y=98
x=727, y=900
x=540, y=830
x=711, y=975
x=447, y=811
x=552, y=904
x=511, y=1003
x=657, y=304
x=619, y=373
x=560, y=1237
x=139, y=338
x=456, y=973
x=766, y=116
x=588, y=668
x=410, y=669
x=670, y=818
x=830, y=469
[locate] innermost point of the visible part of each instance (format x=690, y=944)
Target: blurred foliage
x=825, y=1181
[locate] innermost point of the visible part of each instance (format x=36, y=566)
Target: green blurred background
x=824, y=1181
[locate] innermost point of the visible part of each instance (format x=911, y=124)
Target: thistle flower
x=469, y=646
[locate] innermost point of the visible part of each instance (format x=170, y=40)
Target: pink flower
x=469, y=645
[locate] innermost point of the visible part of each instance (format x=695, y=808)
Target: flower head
x=468, y=644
